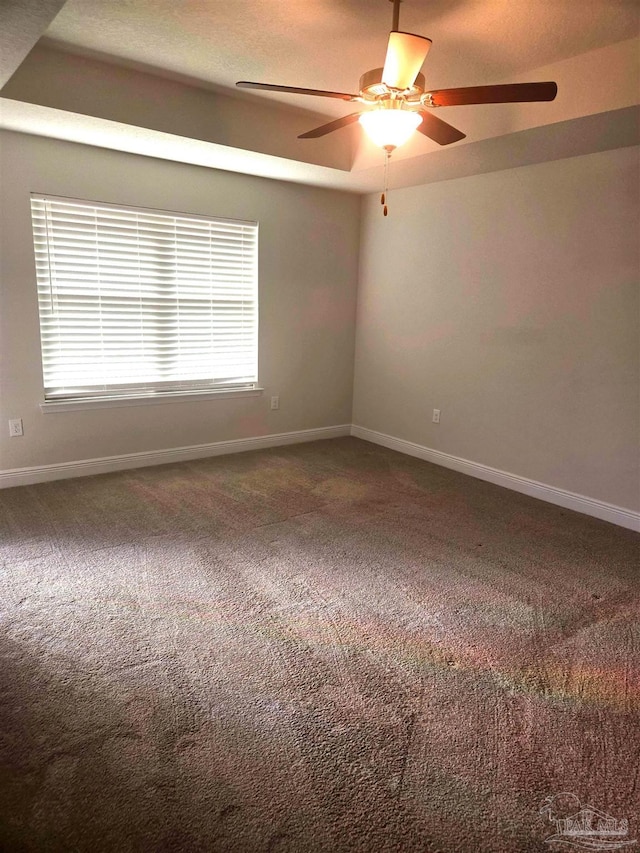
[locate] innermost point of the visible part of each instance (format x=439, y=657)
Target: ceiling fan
x=396, y=101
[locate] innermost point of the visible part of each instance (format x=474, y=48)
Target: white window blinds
x=138, y=302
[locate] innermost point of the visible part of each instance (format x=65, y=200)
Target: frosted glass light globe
x=389, y=128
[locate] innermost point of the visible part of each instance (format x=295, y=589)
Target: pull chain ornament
x=383, y=198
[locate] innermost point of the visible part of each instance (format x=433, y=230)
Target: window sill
x=155, y=400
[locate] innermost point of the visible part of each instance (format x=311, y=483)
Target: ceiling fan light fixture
x=398, y=98
x=389, y=128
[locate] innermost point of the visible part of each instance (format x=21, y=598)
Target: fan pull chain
x=385, y=194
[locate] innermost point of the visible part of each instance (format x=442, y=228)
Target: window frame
x=147, y=391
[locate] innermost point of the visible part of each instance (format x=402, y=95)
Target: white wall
x=308, y=275
x=510, y=302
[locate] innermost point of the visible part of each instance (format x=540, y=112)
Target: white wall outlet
x=15, y=427
x=275, y=403
x=436, y=416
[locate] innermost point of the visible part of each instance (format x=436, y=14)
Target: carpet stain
x=341, y=489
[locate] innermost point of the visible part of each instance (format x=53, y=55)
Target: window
x=137, y=303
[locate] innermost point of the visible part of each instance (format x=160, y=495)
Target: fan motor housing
x=372, y=88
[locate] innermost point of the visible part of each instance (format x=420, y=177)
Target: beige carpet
x=326, y=647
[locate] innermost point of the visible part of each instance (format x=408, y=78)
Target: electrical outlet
x=275, y=403
x=436, y=416
x=15, y=427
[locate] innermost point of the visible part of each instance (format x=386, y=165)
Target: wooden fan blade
x=438, y=130
x=272, y=87
x=506, y=94
x=405, y=55
x=330, y=127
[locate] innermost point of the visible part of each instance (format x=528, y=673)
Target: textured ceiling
x=328, y=44
x=21, y=25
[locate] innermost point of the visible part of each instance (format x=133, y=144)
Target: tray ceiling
x=203, y=47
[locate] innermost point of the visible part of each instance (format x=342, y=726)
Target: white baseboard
x=86, y=467
x=569, y=500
